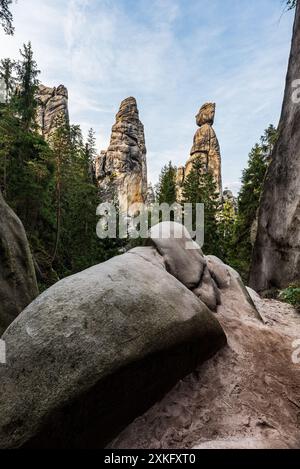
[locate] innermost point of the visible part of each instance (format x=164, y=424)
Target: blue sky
x=172, y=55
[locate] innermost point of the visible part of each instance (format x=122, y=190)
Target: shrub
x=291, y=295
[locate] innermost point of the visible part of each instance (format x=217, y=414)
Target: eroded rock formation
x=150, y=195
x=121, y=171
x=206, y=148
x=229, y=198
x=99, y=348
x=179, y=182
x=52, y=106
x=18, y=286
x=276, y=257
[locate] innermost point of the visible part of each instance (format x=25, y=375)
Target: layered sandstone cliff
x=276, y=257
x=121, y=171
x=52, y=107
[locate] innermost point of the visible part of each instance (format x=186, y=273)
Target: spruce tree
x=7, y=67
x=91, y=154
x=199, y=187
x=166, y=190
x=291, y=4
x=227, y=217
x=6, y=18
x=26, y=102
x=49, y=186
x=249, y=197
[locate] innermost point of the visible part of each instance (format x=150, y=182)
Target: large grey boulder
x=18, y=286
x=98, y=349
x=276, y=257
x=185, y=260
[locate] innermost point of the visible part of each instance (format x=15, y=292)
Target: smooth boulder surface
x=185, y=260
x=98, y=349
x=18, y=286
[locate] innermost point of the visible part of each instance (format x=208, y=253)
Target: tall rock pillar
x=206, y=148
x=206, y=145
x=276, y=256
x=121, y=171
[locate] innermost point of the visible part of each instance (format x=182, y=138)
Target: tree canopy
x=6, y=18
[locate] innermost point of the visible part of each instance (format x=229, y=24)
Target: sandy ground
x=247, y=396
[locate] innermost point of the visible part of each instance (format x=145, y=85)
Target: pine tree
x=291, y=4
x=76, y=199
x=200, y=187
x=227, y=217
x=61, y=147
x=91, y=145
x=7, y=67
x=24, y=167
x=6, y=17
x=91, y=154
x=249, y=197
x=26, y=103
x=166, y=189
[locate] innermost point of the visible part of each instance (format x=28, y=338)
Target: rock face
x=206, y=148
x=18, y=286
x=150, y=195
x=122, y=170
x=230, y=198
x=52, y=105
x=276, y=257
x=245, y=397
x=179, y=182
x=99, y=348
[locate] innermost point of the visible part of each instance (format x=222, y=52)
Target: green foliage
x=6, y=18
x=50, y=186
x=166, y=190
x=227, y=218
x=76, y=199
x=25, y=102
x=291, y=295
x=248, y=201
x=91, y=146
x=91, y=154
x=7, y=67
x=200, y=187
x=291, y=4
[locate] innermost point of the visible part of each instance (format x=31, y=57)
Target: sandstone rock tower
x=121, y=171
x=206, y=147
x=276, y=256
x=52, y=104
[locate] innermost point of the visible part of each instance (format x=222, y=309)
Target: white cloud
x=172, y=55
